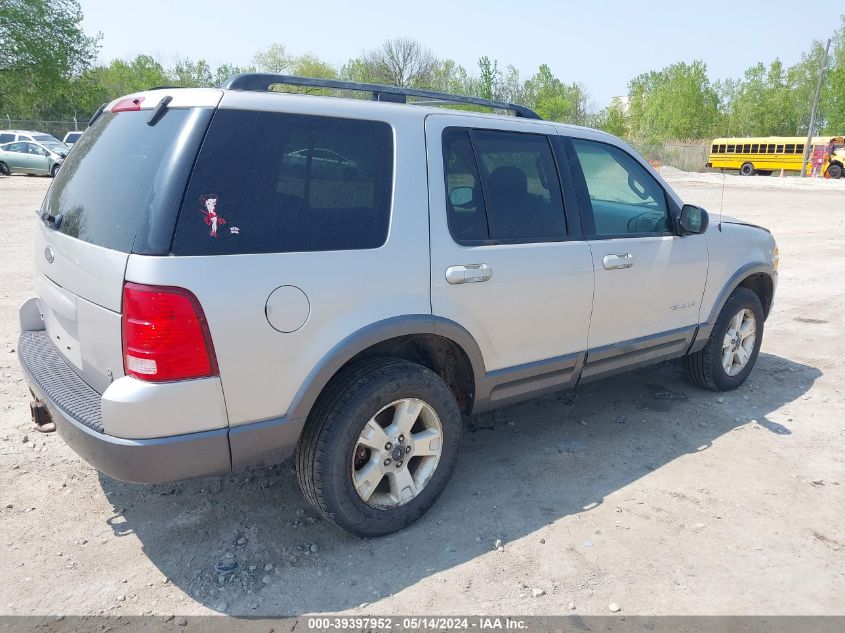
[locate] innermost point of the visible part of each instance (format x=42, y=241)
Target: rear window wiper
x=97, y=114
x=159, y=111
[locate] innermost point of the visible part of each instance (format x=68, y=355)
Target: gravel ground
x=639, y=490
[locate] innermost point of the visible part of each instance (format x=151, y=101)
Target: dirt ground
x=640, y=490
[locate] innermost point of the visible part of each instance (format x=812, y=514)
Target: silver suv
x=228, y=278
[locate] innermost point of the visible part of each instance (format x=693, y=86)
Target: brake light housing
x=165, y=335
x=130, y=104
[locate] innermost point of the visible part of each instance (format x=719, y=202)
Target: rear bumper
x=76, y=411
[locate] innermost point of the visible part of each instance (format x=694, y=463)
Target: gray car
x=38, y=159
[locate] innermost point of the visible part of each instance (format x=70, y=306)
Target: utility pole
x=812, y=131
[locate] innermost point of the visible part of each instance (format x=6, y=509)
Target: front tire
x=54, y=171
x=728, y=357
x=834, y=171
x=4, y=170
x=747, y=169
x=348, y=460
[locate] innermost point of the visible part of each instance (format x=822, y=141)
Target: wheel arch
x=437, y=343
x=758, y=277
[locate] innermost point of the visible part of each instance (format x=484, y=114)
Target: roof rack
x=261, y=82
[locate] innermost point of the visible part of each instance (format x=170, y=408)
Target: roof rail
x=261, y=82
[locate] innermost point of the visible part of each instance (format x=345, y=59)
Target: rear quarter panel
x=262, y=369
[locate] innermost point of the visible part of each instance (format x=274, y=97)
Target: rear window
x=107, y=185
x=269, y=182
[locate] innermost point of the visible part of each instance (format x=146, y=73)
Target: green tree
x=677, y=102
x=487, y=82
x=273, y=59
x=192, y=74
x=613, y=119
x=122, y=77
x=552, y=99
x=42, y=49
x=832, y=105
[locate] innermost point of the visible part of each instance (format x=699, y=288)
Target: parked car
x=39, y=159
x=7, y=136
x=246, y=310
x=71, y=138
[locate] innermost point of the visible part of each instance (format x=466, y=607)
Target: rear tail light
x=165, y=334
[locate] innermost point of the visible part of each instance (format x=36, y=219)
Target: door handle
x=623, y=260
x=470, y=273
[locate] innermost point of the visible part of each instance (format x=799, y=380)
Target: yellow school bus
x=764, y=155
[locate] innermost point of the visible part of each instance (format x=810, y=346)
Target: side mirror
x=461, y=196
x=693, y=220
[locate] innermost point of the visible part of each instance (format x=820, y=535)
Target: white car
x=71, y=138
x=205, y=303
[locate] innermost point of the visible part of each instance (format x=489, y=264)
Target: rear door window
x=270, y=182
x=501, y=187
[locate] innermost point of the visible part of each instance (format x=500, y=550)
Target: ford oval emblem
x=48, y=254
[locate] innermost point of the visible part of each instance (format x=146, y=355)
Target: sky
x=599, y=43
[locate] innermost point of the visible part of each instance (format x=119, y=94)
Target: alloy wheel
x=738, y=343
x=397, y=453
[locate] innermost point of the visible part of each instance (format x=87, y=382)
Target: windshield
x=108, y=183
x=45, y=137
x=57, y=146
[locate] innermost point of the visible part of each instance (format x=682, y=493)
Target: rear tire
x=728, y=357
x=343, y=462
x=834, y=171
x=54, y=171
x=747, y=169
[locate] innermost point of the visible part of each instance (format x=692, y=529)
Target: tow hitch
x=41, y=417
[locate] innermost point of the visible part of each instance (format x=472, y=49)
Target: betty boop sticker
x=212, y=217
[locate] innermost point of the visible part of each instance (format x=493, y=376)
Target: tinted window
x=714, y=149
x=268, y=182
x=771, y=149
x=465, y=209
x=790, y=149
x=6, y=138
x=799, y=149
x=721, y=149
x=625, y=198
x=521, y=188
x=730, y=149
x=746, y=149
x=755, y=148
x=780, y=149
x=501, y=187
x=106, y=186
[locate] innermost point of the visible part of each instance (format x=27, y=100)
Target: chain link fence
x=54, y=128
x=683, y=156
